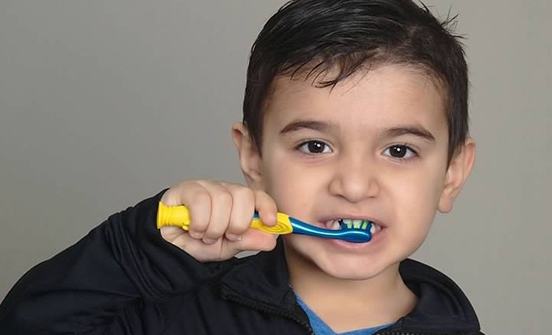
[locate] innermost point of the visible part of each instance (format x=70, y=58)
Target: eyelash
x=305, y=143
x=413, y=153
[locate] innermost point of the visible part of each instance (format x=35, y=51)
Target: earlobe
x=249, y=156
x=458, y=171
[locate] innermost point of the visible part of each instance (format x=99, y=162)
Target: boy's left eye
x=314, y=147
x=400, y=151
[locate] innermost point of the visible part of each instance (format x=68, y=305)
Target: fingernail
x=208, y=240
x=233, y=237
x=196, y=235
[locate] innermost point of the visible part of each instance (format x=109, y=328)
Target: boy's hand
x=220, y=216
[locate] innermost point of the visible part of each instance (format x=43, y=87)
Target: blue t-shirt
x=321, y=328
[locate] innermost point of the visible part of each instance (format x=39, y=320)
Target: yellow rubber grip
x=180, y=216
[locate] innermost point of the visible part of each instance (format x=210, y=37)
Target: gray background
x=104, y=103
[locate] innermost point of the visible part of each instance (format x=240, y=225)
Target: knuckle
x=245, y=193
x=198, y=225
x=201, y=196
x=245, y=198
x=189, y=184
x=170, y=199
x=223, y=200
x=198, y=221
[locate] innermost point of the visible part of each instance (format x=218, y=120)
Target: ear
x=457, y=173
x=249, y=155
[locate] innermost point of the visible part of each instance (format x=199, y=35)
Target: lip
x=374, y=244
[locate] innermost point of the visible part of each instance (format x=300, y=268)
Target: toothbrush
x=285, y=224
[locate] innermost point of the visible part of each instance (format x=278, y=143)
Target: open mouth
x=358, y=224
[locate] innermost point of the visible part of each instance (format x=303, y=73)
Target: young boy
x=354, y=109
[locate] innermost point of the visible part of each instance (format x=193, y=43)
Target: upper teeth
x=355, y=223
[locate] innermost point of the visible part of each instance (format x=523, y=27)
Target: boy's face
x=373, y=147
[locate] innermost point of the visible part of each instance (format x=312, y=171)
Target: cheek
x=416, y=200
x=292, y=187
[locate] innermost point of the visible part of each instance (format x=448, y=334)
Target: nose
x=355, y=179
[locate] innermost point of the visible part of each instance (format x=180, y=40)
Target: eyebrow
x=307, y=124
x=416, y=130
x=413, y=130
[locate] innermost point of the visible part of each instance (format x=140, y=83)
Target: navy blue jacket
x=123, y=278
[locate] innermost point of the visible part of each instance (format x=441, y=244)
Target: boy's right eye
x=314, y=147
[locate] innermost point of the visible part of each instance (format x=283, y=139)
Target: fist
x=220, y=215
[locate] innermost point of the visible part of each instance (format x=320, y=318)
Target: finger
x=266, y=206
x=221, y=207
x=198, y=200
x=243, y=207
x=170, y=233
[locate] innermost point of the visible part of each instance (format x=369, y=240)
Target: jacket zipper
x=266, y=309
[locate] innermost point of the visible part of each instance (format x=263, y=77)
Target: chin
x=343, y=263
x=354, y=269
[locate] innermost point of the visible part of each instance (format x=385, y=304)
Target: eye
x=314, y=147
x=400, y=151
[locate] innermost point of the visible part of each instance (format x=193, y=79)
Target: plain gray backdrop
x=104, y=103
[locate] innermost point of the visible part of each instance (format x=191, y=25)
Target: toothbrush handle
x=180, y=216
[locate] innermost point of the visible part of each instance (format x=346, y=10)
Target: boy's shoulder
x=440, y=300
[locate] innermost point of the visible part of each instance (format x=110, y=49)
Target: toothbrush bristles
x=364, y=225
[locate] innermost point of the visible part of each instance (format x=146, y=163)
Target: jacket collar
x=441, y=303
x=263, y=278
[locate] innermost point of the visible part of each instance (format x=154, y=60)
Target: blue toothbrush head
x=359, y=230
x=356, y=232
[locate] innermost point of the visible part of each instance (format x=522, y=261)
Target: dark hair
x=316, y=36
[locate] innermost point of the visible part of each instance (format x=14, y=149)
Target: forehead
x=377, y=98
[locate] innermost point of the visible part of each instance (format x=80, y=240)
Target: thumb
x=255, y=240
